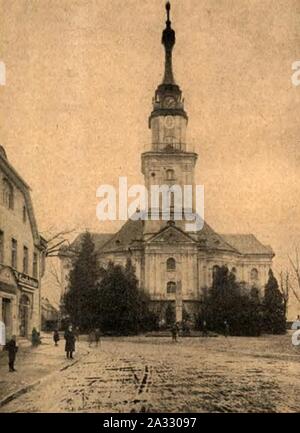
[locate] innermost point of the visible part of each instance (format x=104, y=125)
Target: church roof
x=247, y=244
x=130, y=232
x=171, y=234
x=131, y=235
x=211, y=240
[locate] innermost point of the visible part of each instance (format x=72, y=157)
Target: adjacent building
x=173, y=265
x=22, y=254
x=50, y=315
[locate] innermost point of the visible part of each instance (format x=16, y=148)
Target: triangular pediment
x=8, y=282
x=171, y=235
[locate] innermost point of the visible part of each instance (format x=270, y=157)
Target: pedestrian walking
x=91, y=337
x=56, y=337
x=174, y=330
x=97, y=336
x=35, y=337
x=226, y=328
x=70, y=342
x=12, y=348
x=204, y=329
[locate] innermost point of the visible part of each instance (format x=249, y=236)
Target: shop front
x=19, y=303
x=8, y=300
x=28, y=304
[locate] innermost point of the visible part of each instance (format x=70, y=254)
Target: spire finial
x=168, y=7
x=168, y=40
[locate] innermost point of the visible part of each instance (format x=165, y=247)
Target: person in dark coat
x=12, y=348
x=97, y=336
x=204, y=329
x=226, y=328
x=35, y=337
x=174, y=331
x=56, y=337
x=91, y=337
x=70, y=342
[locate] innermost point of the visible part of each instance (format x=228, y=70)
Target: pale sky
x=81, y=75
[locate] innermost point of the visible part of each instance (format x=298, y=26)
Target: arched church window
x=254, y=274
x=7, y=194
x=215, y=269
x=170, y=174
x=171, y=287
x=171, y=264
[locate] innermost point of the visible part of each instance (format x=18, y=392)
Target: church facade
x=174, y=265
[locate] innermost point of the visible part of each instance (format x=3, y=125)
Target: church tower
x=169, y=160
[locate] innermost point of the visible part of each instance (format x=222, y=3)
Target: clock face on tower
x=169, y=102
x=169, y=122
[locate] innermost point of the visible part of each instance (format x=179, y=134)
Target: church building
x=175, y=266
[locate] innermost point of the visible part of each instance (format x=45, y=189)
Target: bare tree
x=55, y=241
x=284, y=288
x=295, y=277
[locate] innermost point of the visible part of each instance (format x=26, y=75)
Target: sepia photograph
x=149, y=209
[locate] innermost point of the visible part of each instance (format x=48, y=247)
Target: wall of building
x=15, y=226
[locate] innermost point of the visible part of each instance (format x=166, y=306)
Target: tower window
x=170, y=174
x=171, y=264
x=171, y=287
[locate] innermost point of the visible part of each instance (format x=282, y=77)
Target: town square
x=152, y=374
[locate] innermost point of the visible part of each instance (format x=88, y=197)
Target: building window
x=170, y=174
x=215, y=270
x=1, y=246
x=14, y=253
x=8, y=194
x=35, y=265
x=171, y=264
x=254, y=274
x=25, y=260
x=24, y=214
x=171, y=287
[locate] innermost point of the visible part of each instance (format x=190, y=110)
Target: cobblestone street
x=156, y=375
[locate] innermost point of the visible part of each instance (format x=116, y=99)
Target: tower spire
x=168, y=40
